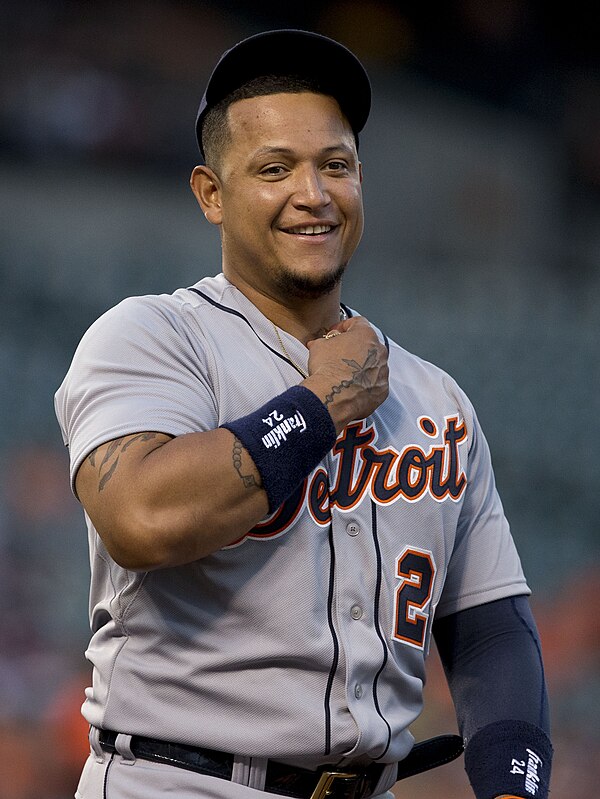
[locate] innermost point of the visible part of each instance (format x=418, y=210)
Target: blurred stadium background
x=482, y=254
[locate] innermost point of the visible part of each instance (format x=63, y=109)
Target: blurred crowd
x=113, y=86
x=117, y=81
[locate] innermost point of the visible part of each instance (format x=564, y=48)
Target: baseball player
x=283, y=505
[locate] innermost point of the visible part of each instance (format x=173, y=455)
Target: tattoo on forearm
x=115, y=447
x=248, y=479
x=359, y=376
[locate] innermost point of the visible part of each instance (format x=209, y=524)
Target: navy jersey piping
x=376, y=608
x=241, y=316
x=336, y=646
x=378, y=625
x=335, y=660
x=105, y=781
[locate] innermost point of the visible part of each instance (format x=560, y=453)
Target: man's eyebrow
x=280, y=150
x=271, y=150
x=336, y=148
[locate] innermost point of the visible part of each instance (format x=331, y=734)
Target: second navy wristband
x=509, y=757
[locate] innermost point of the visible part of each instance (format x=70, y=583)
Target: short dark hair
x=216, y=135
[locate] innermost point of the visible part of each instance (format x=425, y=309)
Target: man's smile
x=313, y=230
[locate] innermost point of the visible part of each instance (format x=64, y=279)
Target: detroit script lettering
x=385, y=475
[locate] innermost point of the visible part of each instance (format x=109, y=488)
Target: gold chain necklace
x=286, y=353
x=343, y=315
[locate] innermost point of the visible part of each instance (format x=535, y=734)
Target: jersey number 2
x=416, y=570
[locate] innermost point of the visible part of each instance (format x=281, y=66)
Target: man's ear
x=207, y=189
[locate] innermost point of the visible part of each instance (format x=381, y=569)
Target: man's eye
x=337, y=166
x=272, y=171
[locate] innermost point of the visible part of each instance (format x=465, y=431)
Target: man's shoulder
x=415, y=376
x=402, y=357
x=409, y=367
x=158, y=308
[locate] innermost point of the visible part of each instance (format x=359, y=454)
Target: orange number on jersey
x=416, y=570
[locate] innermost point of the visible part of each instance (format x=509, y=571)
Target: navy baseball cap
x=304, y=54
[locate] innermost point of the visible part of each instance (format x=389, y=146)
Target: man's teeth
x=311, y=230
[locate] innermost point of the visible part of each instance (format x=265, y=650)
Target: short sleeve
x=140, y=367
x=484, y=565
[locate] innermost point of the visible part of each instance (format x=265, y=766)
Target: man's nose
x=310, y=190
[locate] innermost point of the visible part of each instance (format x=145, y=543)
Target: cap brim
x=303, y=54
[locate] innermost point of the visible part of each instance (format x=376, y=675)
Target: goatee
x=308, y=287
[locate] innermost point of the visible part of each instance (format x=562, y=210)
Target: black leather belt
x=327, y=781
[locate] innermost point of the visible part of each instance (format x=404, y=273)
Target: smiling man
x=283, y=506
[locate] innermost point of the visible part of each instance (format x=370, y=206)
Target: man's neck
x=303, y=318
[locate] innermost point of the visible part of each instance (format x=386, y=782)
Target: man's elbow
x=145, y=540
x=135, y=548
x=134, y=540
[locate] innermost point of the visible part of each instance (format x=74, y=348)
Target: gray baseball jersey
x=304, y=640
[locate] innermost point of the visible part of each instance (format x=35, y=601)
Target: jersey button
x=356, y=612
x=352, y=528
x=358, y=690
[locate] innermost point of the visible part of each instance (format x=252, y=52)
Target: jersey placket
x=361, y=651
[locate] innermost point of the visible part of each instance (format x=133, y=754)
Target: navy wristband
x=509, y=757
x=286, y=439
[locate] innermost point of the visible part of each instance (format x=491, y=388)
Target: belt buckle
x=330, y=781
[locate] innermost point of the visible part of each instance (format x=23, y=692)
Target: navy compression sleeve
x=493, y=663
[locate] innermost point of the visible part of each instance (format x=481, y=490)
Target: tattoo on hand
x=117, y=447
x=359, y=376
x=248, y=479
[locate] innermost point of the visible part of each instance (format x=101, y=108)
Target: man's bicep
x=158, y=500
x=105, y=477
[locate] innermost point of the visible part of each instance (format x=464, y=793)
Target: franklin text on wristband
x=286, y=438
x=509, y=757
